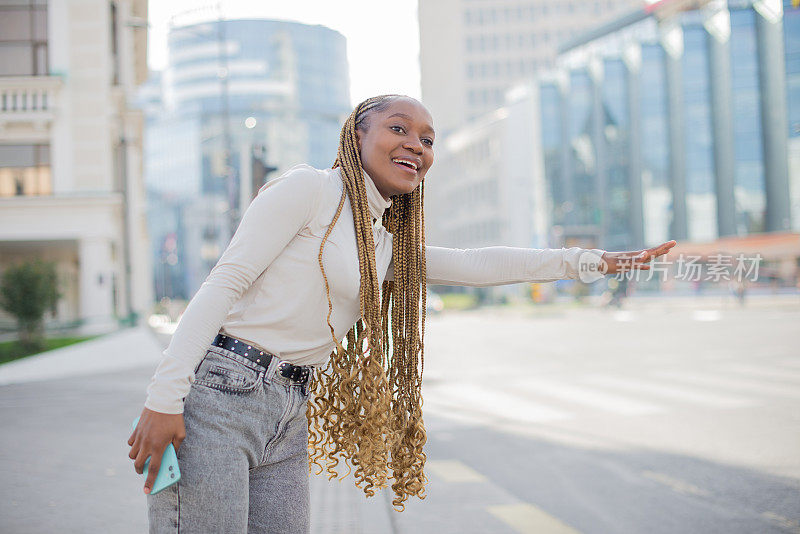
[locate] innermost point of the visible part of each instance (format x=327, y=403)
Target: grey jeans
x=244, y=461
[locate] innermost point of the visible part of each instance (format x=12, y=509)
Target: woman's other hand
x=619, y=262
x=150, y=438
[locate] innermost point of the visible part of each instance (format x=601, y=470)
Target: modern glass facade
x=698, y=147
x=616, y=147
x=582, y=208
x=549, y=100
x=232, y=88
x=681, y=102
x=654, y=142
x=791, y=35
x=748, y=142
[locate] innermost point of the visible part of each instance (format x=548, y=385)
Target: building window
x=23, y=38
x=25, y=170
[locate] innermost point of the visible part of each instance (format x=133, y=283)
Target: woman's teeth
x=405, y=163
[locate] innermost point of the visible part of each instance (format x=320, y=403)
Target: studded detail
x=296, y=373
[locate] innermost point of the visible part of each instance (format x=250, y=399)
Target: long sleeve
x=281, y=209
x=498, y=265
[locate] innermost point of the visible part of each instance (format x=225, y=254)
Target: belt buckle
x=285, y=369
x=293, y=372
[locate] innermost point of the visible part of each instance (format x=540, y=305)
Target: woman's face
x=397, y=147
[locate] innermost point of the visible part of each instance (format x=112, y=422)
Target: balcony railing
x=28, y=98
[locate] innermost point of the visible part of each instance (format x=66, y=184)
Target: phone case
x=168, y=473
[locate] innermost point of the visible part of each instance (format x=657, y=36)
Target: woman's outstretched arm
x=498, y=265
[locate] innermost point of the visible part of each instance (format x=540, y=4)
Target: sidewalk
x=125, y=349
x=57, y=403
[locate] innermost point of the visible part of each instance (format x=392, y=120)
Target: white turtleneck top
x=267, y=288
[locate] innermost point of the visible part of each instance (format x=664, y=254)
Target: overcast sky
x=382, y=35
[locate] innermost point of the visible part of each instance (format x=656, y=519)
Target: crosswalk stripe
x=754, y=370
x=706, y=315
x=492, y=401
x=732, y=383
x=681, y=486
x=454, y=471
x=581, y=395
x=528, y=519
x=649, y=387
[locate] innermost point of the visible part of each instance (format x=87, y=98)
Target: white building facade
x=490, y=187
x=472, y=51
x=71, y=187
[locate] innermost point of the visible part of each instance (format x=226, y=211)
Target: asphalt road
x=654, y=420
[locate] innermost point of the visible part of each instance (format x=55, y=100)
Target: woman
x=320, y=295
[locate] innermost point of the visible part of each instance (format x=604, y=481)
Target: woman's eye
x=399, y=128
x=428, y=142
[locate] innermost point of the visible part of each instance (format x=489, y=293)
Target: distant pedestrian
x=308, y=335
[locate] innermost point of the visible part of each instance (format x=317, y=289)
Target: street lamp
x=223, y=74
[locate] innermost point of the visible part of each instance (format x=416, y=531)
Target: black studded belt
x=296, y=373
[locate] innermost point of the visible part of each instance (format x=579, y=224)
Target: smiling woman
x=314, y=318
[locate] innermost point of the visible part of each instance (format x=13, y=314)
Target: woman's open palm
x=619, y=262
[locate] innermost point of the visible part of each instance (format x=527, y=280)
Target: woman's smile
x=407, y=165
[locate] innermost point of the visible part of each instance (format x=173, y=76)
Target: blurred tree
x=27, y=291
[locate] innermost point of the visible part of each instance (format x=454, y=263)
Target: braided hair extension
x=366, y=405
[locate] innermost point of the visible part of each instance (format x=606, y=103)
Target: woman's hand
x=151, y=436
x=619, y=262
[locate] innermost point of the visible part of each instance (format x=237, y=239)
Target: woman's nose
x=414, y=146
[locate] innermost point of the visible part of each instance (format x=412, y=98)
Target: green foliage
x=459, y=301
x=13, y=350
x=27, y=291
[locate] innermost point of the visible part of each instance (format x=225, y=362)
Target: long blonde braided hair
x=366, y=405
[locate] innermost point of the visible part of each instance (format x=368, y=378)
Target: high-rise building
x=236, y=96
x=471, y=51
x=675, y=121
x=71, y=187
x=672, y=124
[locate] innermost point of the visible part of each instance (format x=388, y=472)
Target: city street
x=652, y=419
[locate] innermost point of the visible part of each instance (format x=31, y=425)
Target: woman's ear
x=358, y=139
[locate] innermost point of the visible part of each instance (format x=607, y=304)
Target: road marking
x=624, y=316
x=733, y=383
x=454, y=471
x=635, y=384
x=492, y=401
x=780, y=374
x=681, y=486
x=593, y=399
x=706, y=315
x=785, y=522
x=528, y=519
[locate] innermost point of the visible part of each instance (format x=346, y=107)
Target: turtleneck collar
x=377, y=204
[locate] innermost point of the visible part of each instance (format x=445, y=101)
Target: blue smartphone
x=168, y=473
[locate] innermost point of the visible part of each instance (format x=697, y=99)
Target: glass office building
x=670, y=124
x=231, y=89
